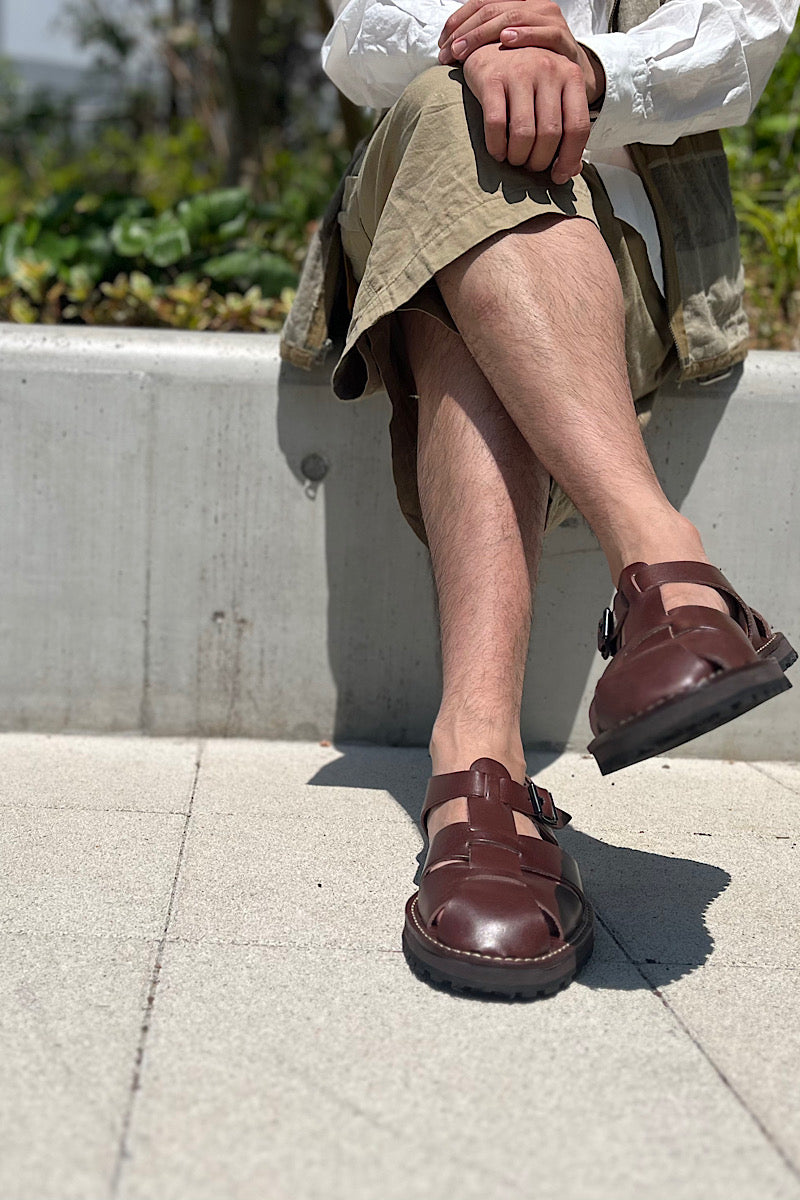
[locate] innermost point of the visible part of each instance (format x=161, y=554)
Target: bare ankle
x=455, y=746
x=664, y=538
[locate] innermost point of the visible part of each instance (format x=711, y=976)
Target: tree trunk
x=244, y=77
x=354, y=118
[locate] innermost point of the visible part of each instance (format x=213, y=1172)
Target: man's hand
x=534, y=106
x=514, y=24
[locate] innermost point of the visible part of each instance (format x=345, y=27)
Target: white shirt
x=693, y=66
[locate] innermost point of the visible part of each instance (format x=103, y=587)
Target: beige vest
x=689, y=189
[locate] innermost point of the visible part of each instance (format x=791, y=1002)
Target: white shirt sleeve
x=376, y=47
x=694, y=65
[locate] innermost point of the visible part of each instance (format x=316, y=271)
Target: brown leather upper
x=497, y=892
x=657, y=655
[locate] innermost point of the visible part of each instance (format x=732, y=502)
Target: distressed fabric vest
x=688, y=186
x=689, y=189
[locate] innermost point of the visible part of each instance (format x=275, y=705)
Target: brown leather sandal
x=497, y=912
x=678, y=674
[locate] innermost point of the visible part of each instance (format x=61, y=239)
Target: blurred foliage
x=215, y=259
x=763, y=158
x=130, y=221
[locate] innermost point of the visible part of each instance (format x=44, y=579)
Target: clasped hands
x=535, y=101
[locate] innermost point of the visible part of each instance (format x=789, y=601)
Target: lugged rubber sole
x=483, y=975
x=782, y=651
x=686, y=717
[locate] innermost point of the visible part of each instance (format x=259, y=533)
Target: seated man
x=518, y=344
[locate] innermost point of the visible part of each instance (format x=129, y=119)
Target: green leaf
x=130, y=236
x=248, y=267
x=58, y=249
x=234, y=228
x=12, y=241
x=169, y=242
x=53, y=210
x=224, y=204
x=193, y=215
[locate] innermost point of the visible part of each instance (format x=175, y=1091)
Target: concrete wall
x=166, y=566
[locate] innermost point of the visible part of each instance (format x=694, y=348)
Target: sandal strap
x=529, y=799
x=639, y=578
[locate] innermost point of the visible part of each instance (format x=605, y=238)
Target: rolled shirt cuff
x=626, y=103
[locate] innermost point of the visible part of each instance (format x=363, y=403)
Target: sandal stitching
x=490, y=957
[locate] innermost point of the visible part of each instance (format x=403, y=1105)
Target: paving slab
x=746, y=1020
x=690, y=795
x=268, y=778
x=86, y=873
x=304, y=1074
x=246, y=776
x=337, y=875
x=289, y=1052
x=38, y=770
x=787, y=773
x=70, y=1016
x=674, y=901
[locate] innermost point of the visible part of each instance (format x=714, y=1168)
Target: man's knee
x=438, y=88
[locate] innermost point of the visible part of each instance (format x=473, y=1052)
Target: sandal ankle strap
x=528, y=798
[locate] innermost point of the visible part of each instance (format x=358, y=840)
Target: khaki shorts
x=427, y=191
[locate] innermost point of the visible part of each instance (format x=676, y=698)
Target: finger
x=521, y=121
x=546, y=37
x=455, y=19
x=547, y=111
x=484, y=34
x=576, y=128
x=498, y=13
x=495, y=117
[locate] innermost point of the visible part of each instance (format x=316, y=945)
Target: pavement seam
x=155, y=976
x=153, y=812
x=724, y=1079
x=759, y=768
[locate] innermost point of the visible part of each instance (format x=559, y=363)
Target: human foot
x=495, y=912
x=677, y=674
x=670, y=538
x=448, y=755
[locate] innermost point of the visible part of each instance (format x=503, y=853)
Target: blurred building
x=36, y=43
x=40, y=48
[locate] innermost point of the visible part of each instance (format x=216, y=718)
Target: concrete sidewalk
x=205, y=995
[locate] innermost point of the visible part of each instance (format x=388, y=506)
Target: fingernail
x=509, y=35
x=458, y=46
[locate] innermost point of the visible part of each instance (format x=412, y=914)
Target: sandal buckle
x=607, y=634
x=538, y=807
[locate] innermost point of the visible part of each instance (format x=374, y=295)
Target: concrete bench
x=168, y=565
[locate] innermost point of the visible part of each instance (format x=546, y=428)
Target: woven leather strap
x=530, y=800
x=640, y=578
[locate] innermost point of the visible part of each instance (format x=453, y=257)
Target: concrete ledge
x=167, y=567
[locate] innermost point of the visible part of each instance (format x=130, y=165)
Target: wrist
x=594, y=78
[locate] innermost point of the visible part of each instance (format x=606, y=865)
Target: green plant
x=206, y=263
x=763, y=161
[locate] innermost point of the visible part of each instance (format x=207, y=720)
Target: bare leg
x=550, y=340
x=484, y=497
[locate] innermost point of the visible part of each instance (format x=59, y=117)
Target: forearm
x=694, y=65
x=376, y=47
